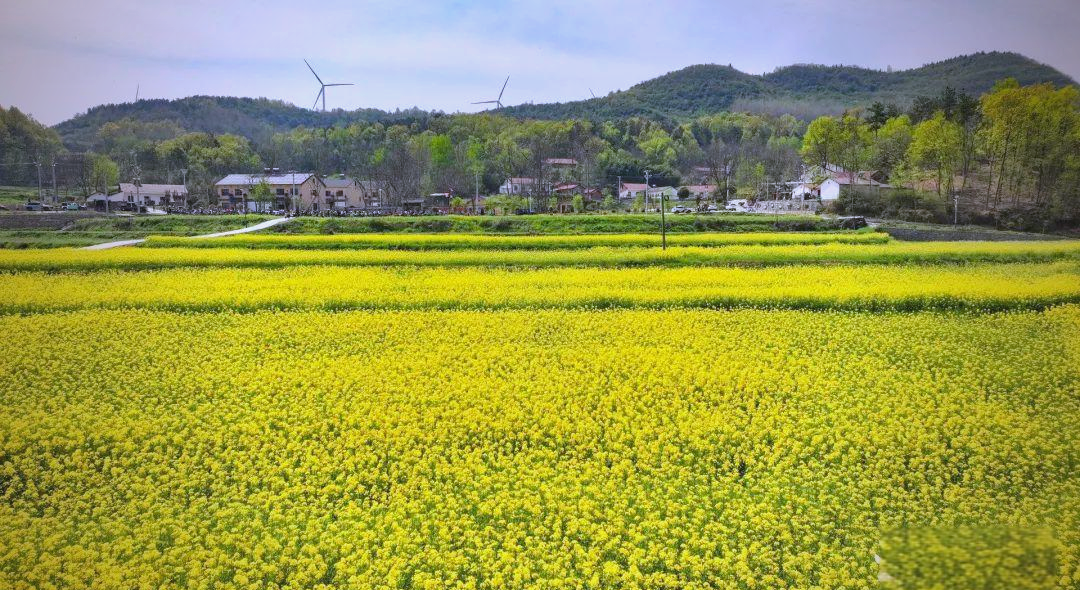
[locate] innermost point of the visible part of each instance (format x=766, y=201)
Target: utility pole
x=956, y=208
x=39, y=197
x=663, y=224
x=476, y=195
x=55, y=195
x=137, y=177
x=646, y=190
x=183, y=180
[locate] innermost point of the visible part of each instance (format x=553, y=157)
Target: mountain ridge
x=804, y=90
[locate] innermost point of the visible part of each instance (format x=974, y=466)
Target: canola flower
x=61, y=259
x=867, y=287
x=534, y=449
x=495, y=242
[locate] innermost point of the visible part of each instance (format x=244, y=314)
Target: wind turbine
x=497, y=101
x=592, y=93
x=322, y=89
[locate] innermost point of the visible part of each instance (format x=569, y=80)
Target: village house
x=835, y=181
x=373, y=193
x=524, y=186
x=560, y=162
x=631, y=190
x=143, y=195
x=342, y=192
x=289, y=189
x=700, y=191
x=103, y=202
x=565, y=193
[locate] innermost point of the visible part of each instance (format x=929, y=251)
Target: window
x=295, y=191
x=224, y=192
x=340, y=193
x=280, y=191
x=328, y=193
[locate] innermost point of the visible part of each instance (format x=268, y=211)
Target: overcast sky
x=60, y=57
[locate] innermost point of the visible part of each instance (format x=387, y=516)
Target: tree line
x=1016, y=147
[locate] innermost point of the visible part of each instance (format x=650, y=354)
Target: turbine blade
x=592, y=93
x=313, y=71
x=485, y=102
x=350, y=84
x=503, y=88
x=317, y=97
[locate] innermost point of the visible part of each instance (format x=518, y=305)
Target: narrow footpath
x=258, y=226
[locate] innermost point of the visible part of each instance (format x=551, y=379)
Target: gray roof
x=253, y=179
x=371, y=185
x=153, y=189
x=115, y=197
x=338, y=182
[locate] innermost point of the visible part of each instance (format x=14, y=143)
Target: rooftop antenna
x=322, y=88
x=497, y=101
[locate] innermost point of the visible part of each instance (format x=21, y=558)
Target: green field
x=56, y=230
x=15, y=195
x=558, y=224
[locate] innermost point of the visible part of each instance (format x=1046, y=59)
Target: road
x=257, y=227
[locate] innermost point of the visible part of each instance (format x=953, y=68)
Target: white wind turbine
x=497, y=101
x=322, y=88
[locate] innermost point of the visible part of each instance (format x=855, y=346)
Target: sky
x=60, y=57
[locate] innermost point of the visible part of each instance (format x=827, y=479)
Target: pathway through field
x=243, y=230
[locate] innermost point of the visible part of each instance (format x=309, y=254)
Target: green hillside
x=803, y=90
x=250, y=117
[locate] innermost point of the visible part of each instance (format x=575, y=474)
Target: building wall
x=238, y=193
x=830, y=190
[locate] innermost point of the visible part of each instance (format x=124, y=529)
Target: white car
x=681, y=209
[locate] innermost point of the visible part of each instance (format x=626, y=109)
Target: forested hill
x=250, y=117
x=805, y=91
x=802, y=90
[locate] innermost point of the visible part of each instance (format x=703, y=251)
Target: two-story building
x=288, y=190
x=342, y=192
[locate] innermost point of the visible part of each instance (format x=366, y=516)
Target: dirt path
x=258, y=226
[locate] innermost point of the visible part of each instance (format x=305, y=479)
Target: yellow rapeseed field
x=592, y=418
x=900, y=287
x=751, y=255
x=523, y=449
x=490, y=242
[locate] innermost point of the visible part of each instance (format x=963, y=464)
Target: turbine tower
x=322, y=88
x=497, y=101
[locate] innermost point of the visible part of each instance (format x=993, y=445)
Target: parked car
x=681, y=209
x=708, y=209
x=34, y=206
x=71, y=206
x=738, y=206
